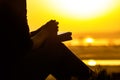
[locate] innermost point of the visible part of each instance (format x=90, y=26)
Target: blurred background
x=95, y=27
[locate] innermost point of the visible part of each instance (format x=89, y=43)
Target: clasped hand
x=51, y=28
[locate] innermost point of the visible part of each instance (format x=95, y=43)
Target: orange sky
x=107, y=20
x=98, y=19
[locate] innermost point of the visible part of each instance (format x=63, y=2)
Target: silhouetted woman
x=26, y=57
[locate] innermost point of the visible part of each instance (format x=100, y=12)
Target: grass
x=102, y=74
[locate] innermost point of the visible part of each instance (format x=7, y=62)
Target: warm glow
x=102, y=62
x=78, y=16
x=89, y=40
x=75, y=15
x=91, y=63
x=82, y=8
x=75, y=42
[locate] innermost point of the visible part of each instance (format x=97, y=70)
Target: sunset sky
x=92, y=22
x=77, y=16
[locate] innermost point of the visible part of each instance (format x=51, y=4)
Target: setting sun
x=82, y=8
x=89, y=40
x=75, y=15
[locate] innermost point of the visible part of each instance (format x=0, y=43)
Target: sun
x=92, y=62
x=82, y=8
x=89, y=40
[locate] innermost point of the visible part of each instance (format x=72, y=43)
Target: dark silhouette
x=35, y=56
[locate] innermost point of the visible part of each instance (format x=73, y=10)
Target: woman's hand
x=49, y=30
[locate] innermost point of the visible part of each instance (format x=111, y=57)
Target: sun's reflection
x=92, y=62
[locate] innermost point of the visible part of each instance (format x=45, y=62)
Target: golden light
x=82, y=8
x=89, y=40
x=102, y=62
x=92, y=63
x=75, y=42
x=75, y=15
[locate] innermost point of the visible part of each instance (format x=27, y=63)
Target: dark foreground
x=98, y=53
x=101, y=76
